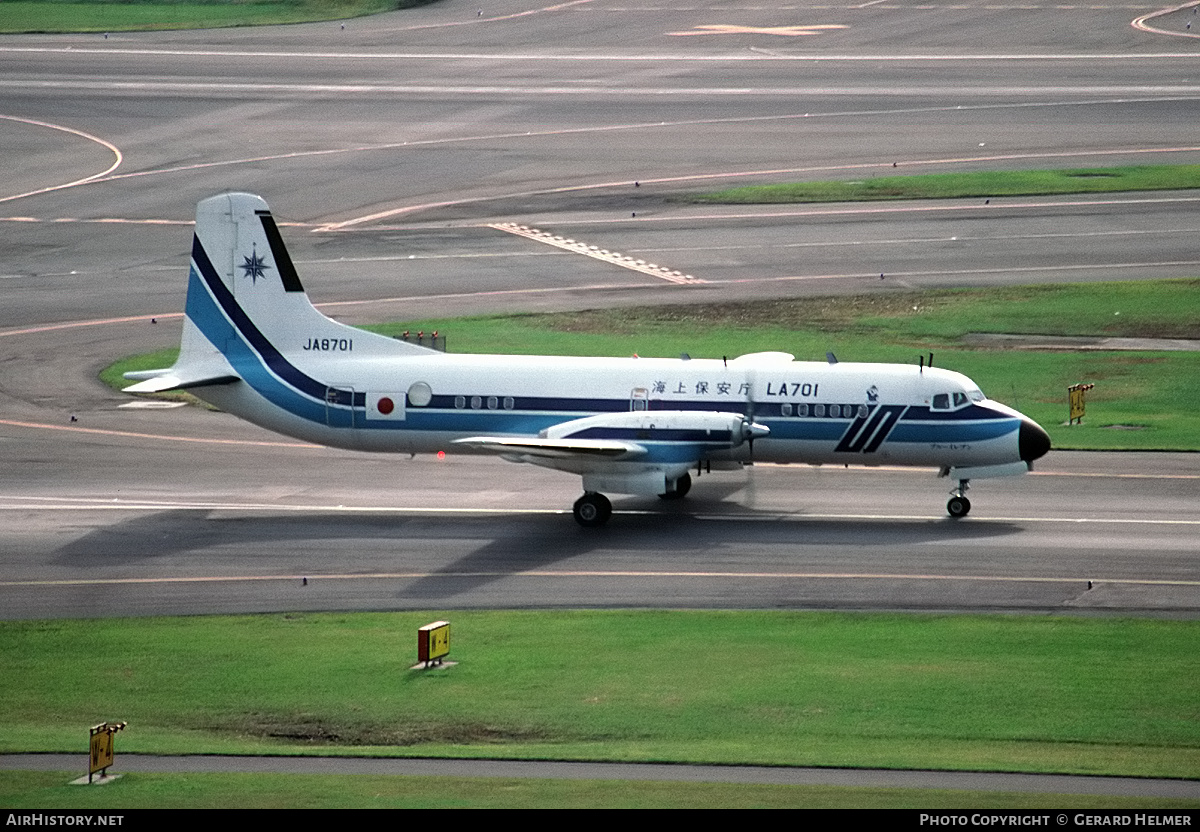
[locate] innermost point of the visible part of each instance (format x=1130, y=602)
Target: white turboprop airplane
x=255, y=346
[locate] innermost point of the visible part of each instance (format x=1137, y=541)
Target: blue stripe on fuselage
x=953, y=432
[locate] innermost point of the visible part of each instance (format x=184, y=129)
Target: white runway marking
x=1140, y=22
x=602, y=254
x=784, y=31
x=151, y=404
x=109, y=145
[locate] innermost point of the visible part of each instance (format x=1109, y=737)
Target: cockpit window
x=955, y=400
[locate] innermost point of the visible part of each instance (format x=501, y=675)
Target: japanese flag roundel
x=385, y=406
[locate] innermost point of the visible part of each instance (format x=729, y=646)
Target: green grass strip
x=23, y=16
x=962, y=185
x=1025, y=693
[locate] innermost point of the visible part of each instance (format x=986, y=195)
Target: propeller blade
x=751, y=431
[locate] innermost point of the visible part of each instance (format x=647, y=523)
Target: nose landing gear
x=959, y=505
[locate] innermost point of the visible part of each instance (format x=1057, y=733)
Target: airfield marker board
x=433, y=642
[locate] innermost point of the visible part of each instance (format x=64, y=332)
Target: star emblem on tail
x=253, y=266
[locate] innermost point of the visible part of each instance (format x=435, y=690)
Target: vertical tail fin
x=241, y=271
x=246, y=309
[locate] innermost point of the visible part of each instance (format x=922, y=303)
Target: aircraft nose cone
x=1032, y=441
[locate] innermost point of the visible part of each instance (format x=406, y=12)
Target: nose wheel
x=959, y=505
x=592, y=509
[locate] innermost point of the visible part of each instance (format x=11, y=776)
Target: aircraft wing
x=553, y=448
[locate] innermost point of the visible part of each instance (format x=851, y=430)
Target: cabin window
x=802, y=410
x=509, y=404
x=460, y=402
x=835, y=411
x=493, y=402
x=819, y=410
x=785, y=410
x=476, y=402
x=863, y=410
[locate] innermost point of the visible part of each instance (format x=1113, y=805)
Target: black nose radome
x=1032, y=442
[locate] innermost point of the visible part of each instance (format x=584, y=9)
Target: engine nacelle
x=704, y=430
x=647, y=483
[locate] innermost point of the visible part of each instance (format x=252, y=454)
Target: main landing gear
x=959, y=505
x=592, y=509
x=682, y=486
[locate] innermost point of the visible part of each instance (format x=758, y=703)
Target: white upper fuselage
x=816, y=412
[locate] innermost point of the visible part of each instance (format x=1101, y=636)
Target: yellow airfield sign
x=1076, y=402
x=433, y=641
x=101, y=756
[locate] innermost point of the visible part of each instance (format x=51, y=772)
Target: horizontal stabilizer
x=159, y=381
x=199, y=364
x=555, y=448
